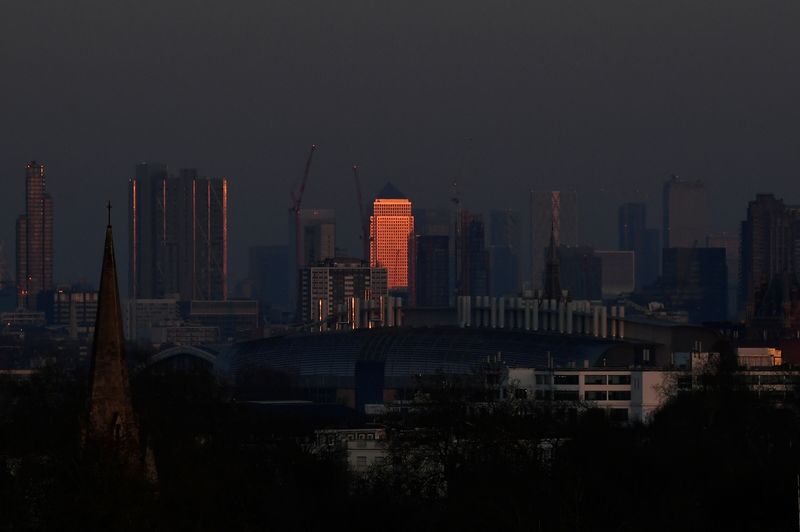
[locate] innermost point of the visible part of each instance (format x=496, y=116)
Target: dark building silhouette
x=34, y=239
x=731, y=243
x=695, y=280
x=112, y=431
x=552, y=269
x=474, y=274
x=268, y=269
x=504, y=252
x=581, y=272
x=635, y=236
x=767, y=248
x=432, y=283
x=684, y=212
x=178, y=235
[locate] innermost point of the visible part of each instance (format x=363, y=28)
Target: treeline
x=717, y=458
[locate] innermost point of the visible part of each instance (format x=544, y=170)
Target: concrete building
x=236, y=320
x=75, y=310
x=684, y=213
x=34, y=239
x=391, y=234
x=767, y=249
x=326, y=290
x=141, y=316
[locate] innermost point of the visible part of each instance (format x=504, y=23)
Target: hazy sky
x=607, y=97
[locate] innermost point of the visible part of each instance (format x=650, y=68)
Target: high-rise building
x=148, y=277
x=34, y=239
x=730, y=243
x=197, y=217
x=556, y=210
x=391, y=232
x=581, y=272
x=268, y=271
x=317, y=241
x=767, y=248
x=473, y=279
x=178, y=235
x=326, y=288
x=635, y=236
x=618, y=272
x=504, y=252
x=432, y=272
x=694, y=280
x=684, y=212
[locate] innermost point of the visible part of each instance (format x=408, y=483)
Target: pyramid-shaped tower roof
x=389, y=191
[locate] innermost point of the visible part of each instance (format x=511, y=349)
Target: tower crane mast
x=297, y=202
x=365, y=240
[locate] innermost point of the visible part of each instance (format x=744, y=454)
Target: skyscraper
x=34, y=239
x=767, y=248
x=504, y=252
x=729, y=242
x=432, y=284
x=550, y=209
x=317, y=241
x=635, y=236
x=684, y=212
x=474, y=274
x=198, y=230
x=695, y=280
x=178, y=235
x=147, y=227
x=391, y=228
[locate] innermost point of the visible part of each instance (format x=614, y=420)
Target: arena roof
x=408, y=352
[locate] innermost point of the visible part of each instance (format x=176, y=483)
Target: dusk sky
x=608, y=98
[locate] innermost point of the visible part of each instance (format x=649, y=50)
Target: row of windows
x=574, y=395
x=591, y=379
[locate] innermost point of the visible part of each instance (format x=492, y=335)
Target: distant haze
x=608, y=98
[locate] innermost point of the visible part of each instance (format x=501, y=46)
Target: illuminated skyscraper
x=34, y=239
x=391, y=228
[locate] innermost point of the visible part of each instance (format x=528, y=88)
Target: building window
x=566, y=395
x=595, y=396
x=619, y=379
x=361, y=462
x=542, y=380
x=619, y=396
x=565, y=379
x=594, y=379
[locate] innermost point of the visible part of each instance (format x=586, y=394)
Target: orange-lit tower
x=391, y=229
x=34, y=239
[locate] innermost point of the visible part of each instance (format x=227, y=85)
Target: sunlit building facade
x=391, y=229
x=178, y=235
x=34, y=239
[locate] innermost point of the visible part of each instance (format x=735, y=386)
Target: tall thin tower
x=34, y=239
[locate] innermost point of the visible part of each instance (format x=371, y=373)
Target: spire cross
x=108, y=206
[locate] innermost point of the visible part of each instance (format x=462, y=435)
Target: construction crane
x=365, y=241
x=297, y=202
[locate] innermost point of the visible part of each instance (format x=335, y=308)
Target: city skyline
x=580, y=108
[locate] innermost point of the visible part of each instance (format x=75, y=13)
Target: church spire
x=112, y=431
